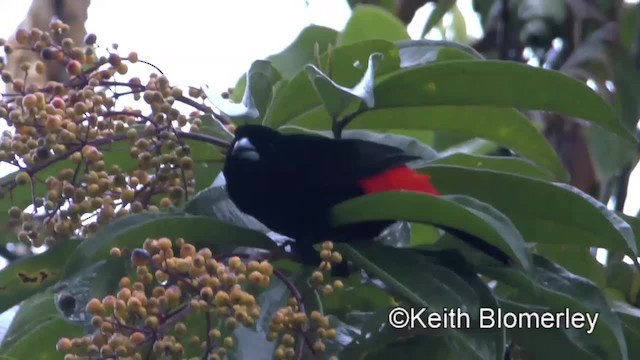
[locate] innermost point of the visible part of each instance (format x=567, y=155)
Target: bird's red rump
x=400, y=178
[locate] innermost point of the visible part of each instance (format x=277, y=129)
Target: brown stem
x=202, y=107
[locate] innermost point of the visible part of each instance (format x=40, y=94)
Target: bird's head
x=252, y=149
x=253, y=142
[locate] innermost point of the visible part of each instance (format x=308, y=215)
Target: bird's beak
x=244, y=149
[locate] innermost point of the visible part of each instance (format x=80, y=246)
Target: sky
x=197, y=42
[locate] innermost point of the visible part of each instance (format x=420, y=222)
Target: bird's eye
x=244, y=149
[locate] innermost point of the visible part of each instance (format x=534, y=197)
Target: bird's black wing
x=328, y=162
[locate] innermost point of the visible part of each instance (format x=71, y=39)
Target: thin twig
x=207, y=319
x=204, y=108
x=503, y=31
x=338, y=126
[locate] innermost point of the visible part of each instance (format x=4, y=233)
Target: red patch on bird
x=400, y=178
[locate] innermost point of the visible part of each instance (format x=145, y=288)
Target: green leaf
x=506, y=127
x=357, y=295
x=261, y=78
x=30, y=275
x=378, y=339
x=338, y=98
x=213, y=127
x=630, y=317
x=609, y=152
x=426, y=281
x=214, y=202
x=279, y=91
x=420, y=52
x=371, y=22
x=131, y=231
x=541, y=343
x=458, y=25
x=634, y=222
x=389, y=5
x=455, y=212
x=543, y=212
x=506, y=164
x=252, y=343
x=294, y=57
x=561, y=290
x=299, y=53
x=41, y=305
x=473, y=146
x=441, y=9
x=448, y=83
x=408, y=144
x=576, y=259
x=96, y=281
x=206, y=172
x=623, y=277
x=36, y=329
x=299, y=98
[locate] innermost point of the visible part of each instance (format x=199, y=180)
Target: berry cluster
x=152, y=313
x=87, y=159
x=71, y=138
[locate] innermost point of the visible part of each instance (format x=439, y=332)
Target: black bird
x=291, y=182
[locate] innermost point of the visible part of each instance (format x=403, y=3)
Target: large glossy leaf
x=299, y=53
x=609, y=153
x=561, y=290
x=576, y=259
x=337, y=98
x=420, y=52
x=424, y=282
x=634, y=222
x=506, y=127
x=543, y=212
x=456, y=212
x=213, y=127
x=624, y=278
x=379, y=341
x=252, y=343
x=36, y=330
x=441, y=9
x=630, y=317
x=261, y=78
x=30, y=275
x=371, y=22
x=386, y=343
x=448, y=83
x=408, y=144
x=508, y=164
x=96, y=281
x=357, y=295
x=294, y=57
x=299, y=98
x=540, y=343
x=279, y=93
x=473, y=146
x=131, y=231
